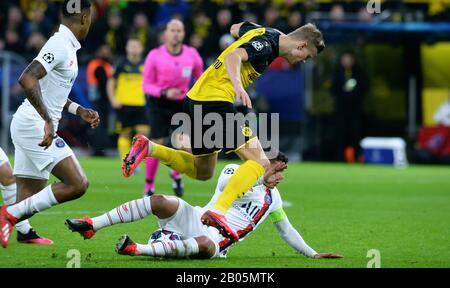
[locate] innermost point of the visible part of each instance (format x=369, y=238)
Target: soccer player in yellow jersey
x=216, y=90
x=127, y=97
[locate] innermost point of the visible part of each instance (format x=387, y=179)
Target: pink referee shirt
x=163, y=70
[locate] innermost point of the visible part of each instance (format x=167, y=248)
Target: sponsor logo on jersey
x=60, y=143
x=257, y=45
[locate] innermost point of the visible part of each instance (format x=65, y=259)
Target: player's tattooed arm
x=29, y=80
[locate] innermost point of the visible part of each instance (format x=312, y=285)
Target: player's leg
x=125, y=128
x=135, y=210
x=199, y=167
x=243, y=179
x=200, y=247
x=73, y=185
x=124, y=141
x=151, y=168
x=8, y=188
x=198, y=241
x=24, y=188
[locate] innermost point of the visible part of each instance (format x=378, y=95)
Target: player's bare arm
x=233, y=62
x=88, y=115
x=29, y=80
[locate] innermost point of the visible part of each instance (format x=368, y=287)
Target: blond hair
x=310, y=34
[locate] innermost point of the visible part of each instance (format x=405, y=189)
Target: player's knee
x=159, y=204
x=80, y=187
x=204, y=174
x=7, y=179
x=206, y=247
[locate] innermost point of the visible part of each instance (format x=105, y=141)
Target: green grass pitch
x=346, y=209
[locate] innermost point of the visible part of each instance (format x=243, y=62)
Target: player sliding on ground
x=216, y=90
x=183, y=234
x=47, y=82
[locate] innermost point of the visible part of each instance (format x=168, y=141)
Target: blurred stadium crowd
x=27, y=24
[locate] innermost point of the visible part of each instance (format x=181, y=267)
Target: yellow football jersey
x=215, y=84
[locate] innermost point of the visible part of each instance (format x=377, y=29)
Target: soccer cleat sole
x=209, y=221
x=72, y=227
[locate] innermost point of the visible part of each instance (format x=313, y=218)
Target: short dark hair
x=69, y=7
x=280, y=156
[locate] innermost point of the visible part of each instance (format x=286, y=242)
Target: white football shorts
x=187, y=223
x=31, y=160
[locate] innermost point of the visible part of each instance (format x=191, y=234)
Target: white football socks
x=9, y=197
x=127, y=212
x=169, y=248
x=37, y=203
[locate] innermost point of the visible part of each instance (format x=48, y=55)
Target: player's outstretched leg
x=242, y=181
x=179, y=160
x=135, y=210
x=200, y=247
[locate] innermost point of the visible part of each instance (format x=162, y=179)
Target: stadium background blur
x=398, y=57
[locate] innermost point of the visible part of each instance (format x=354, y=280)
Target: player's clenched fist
x=90, y=116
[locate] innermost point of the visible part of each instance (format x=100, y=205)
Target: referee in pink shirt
x=168, y=73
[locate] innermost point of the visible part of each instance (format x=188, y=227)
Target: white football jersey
x=59, y=58
x=247, y=212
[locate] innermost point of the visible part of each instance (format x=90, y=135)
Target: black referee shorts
x=160, y=114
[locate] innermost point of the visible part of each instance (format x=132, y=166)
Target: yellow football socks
x=124, y=146
x=242, y=180
x=179, y=160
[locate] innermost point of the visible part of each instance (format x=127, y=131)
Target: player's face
x=174, y=34
x=301, y=53
x=134, y=48
x=86, y=23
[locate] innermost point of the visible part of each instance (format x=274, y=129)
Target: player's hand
x=49, y=134
x=273, y=180
x=90, y=116
x=241, y=95
x=173, y=93
x=327, y=256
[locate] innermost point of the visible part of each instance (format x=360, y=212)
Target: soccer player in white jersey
x=25, y=233
x=47, y=82
x=184, y=235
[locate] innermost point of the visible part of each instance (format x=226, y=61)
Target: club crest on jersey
x=257, y=45
x=246, y=131
x=268, y=199
x=60, y=143
x=48, y=57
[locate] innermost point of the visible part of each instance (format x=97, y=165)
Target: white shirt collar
x=63, y=29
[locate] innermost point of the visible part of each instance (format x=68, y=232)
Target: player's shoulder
x=56, y=43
